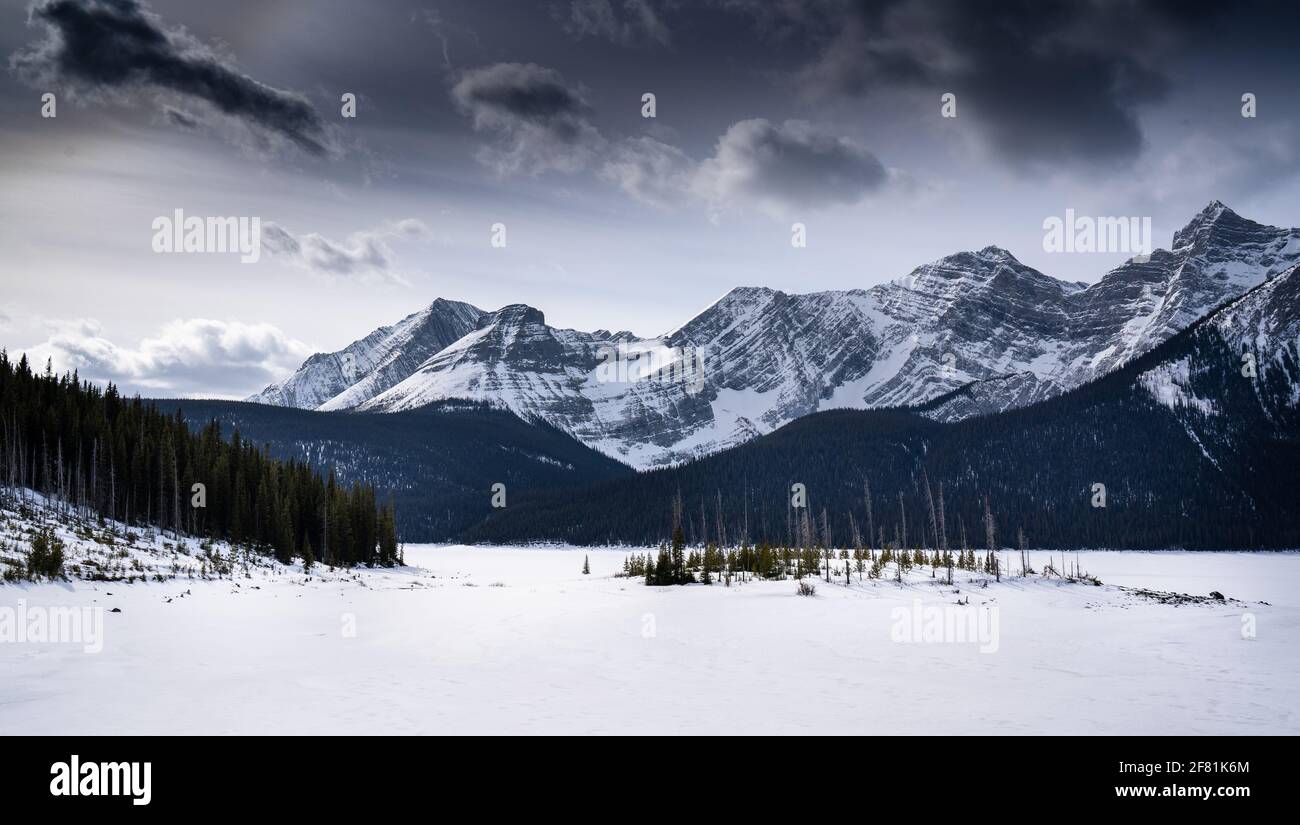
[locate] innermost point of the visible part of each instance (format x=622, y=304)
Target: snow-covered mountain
x=1215, y=257
x=1244, y=359
x=367, y=367
x=758, y=358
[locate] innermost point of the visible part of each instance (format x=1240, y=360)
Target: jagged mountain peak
x=745, y=293
x=962, y=274
x=999, y=253
x=515, y=315
x=449, y=303
x=1215, y=210
x=742, y=297
x=1212, y=222
x=978, y=317
x=736, y=303
x=338, y=380
x=983, y=263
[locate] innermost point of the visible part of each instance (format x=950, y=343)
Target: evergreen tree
x=45, y=559
x=93, y=451
x=283, y=535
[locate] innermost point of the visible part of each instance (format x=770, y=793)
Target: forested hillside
x=90, y=450
x=438, y=464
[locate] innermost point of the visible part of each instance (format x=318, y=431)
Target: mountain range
x=1194, y=444
x=971, y=334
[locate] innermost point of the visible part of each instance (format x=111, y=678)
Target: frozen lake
x=508, y=640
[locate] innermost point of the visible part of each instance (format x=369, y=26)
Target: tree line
x=90, y=452
x=812, y=549
x=814, y=553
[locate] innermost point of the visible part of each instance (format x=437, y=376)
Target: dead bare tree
x=990, y=535
x=704, y=525
x=943, y=528
x=961, y=525
x=866, y=495
x=826, y=544
x=934, y=518
x=902, y=514
x=1024, y=555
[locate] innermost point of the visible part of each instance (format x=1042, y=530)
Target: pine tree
x=586, y=568
x=284, y=535
x=45, y=560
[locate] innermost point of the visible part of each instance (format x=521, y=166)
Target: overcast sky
x=529, y=113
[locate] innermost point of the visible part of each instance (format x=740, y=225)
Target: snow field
x=512, y=640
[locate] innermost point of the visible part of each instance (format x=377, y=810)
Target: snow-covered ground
x=497, y=640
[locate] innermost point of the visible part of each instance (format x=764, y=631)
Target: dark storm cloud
x=110, y=46
x=543, y=124
x=540, y=121
x=625, y=22
x=446, y=31
x=1047, y=82
x=785, y=165
x=180, y=118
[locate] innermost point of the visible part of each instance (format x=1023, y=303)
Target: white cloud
x=195, y=356
x=364, y=255
x=650, y=170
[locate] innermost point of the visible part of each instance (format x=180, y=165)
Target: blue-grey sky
x=529, y=114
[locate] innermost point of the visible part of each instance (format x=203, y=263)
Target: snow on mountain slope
x=562, y=376
x=1263, y=329
x=1233, y=383
x=1217, y=256
x=365, y=368
x=513, y=359
x=1169, y=384
x=981, y=320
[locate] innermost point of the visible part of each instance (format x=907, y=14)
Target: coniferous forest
x=437, y=465
x=89, y=450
